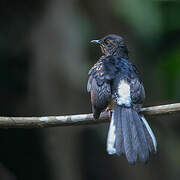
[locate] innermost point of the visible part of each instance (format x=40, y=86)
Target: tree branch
x=71, y=120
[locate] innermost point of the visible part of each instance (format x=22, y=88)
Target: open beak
x=96, y=41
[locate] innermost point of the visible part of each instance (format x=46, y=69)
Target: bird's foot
x=109, y=111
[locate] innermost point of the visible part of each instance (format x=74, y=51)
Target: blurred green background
x=45, y=56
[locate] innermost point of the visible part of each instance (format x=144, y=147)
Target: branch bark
x=81, y=119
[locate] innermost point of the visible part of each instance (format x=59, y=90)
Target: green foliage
x=169, y=69
x=144, y=16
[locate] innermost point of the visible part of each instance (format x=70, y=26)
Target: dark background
x=45, y=56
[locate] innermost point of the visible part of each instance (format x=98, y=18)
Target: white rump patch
x=124, y=96
x=111, y=137
x=150, y=132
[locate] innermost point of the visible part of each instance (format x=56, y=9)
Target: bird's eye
x=105, y=41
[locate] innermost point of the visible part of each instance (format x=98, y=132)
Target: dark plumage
x=114, y=78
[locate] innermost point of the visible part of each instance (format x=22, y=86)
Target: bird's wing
x=99, y=87
x=137, y=92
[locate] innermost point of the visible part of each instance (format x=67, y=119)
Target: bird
x=115, y=83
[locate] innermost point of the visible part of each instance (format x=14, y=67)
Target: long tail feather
x=111, y=137
x=130, y=152
x=130, y=135
x=135, y=140
x=149, y=135
x=119, y=141
x=142, y=147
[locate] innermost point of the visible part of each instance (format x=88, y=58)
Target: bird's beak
x=96, y=41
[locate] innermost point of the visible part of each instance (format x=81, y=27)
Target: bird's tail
x=130, y=135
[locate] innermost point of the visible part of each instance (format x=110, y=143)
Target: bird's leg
x=110, y=108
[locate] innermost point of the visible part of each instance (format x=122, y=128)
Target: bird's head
x=112, y=45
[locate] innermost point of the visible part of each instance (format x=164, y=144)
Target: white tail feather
x=150, y=132
x=111, y=137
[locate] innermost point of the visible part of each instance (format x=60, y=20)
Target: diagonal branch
x=72, y=120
